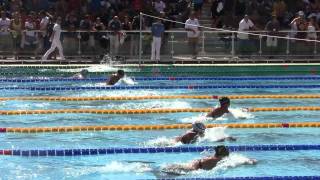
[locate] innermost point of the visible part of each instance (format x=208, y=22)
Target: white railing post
x=315, y=48
x=202, y=52
x=79, y=44
x=260, y=45
x=172, y=51
x=288, y=45
x=232, y=44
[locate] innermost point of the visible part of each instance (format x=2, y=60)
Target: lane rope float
x=152, y=87
x=149, y=111
x=97, y=128
x=152, y=150
x=124, y=98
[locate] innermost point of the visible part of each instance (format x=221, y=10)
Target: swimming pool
x=44, y=81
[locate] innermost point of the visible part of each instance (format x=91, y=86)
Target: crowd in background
x=96, y=15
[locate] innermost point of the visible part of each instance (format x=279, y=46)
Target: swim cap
x=120, y=72
x=84, y=71
x=221, y=151
x=198, y=127
x=224, y=100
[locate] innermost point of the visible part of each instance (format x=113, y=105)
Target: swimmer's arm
x=186, y=138
x=229, y=138
x=110, y=80
x=251, y=162
x=212, y=113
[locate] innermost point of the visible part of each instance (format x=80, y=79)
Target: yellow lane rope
x=154, y=127
x=147, y=111
x=119, y=98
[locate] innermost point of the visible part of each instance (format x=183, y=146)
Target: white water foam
x=112, y=167
x=162, y=142
x=211, y=135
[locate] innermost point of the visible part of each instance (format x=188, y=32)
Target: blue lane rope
x=77, y=88
x=186, y=149
x=164, y=78
x=250, y=178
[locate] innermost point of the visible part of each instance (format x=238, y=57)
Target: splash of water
x=116, y=166
x=214, y=134
x=162, y=142
x=239, y=113
x=211, y=135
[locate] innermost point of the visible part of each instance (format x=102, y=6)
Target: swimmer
x=81, y=75
x=191, y=136
x=198, y=130
x=220, y=111
x=206, y=163
x=114, y=78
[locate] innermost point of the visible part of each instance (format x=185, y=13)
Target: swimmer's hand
x=230, y=138
x=245, y=109
x=251, y=162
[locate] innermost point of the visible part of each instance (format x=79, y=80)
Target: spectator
x=298, y=24
x=197, y=6
x=279, y=10
x=43, y=38
x=312, y=28
x=98, y=36
x=86, y=25
x=245, y=44
x=159, y=6
x=55, y=41
x=115, y=27
x=70, y=40
x=272, y=27
x=5, y=38
x=157, y=30
x=193, y=33
x=30, y=34
x=134, y=45
x=217, y=10
x=16, y=28
x=126, y=24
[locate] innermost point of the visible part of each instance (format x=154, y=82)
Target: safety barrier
x=147, y=111
x=124, y=98
x=78, y=88
x=167, y=79
x=184, y=149
x=249, y=178
x=151, y=127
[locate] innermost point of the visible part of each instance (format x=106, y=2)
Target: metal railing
x=211, y=44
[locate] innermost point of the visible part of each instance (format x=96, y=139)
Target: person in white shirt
x=312, y=28
x=30, y=35
x=5, y=38
x=245, y=25
x=193, y=33
x=45, y=19
x=55, y=40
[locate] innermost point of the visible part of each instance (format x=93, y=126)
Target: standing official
x=55, y=40
x=157, y=31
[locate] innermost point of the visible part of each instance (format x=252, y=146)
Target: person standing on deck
x=157, y=30
x=55, y=40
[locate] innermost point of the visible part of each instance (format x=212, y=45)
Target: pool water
x=147, y=166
